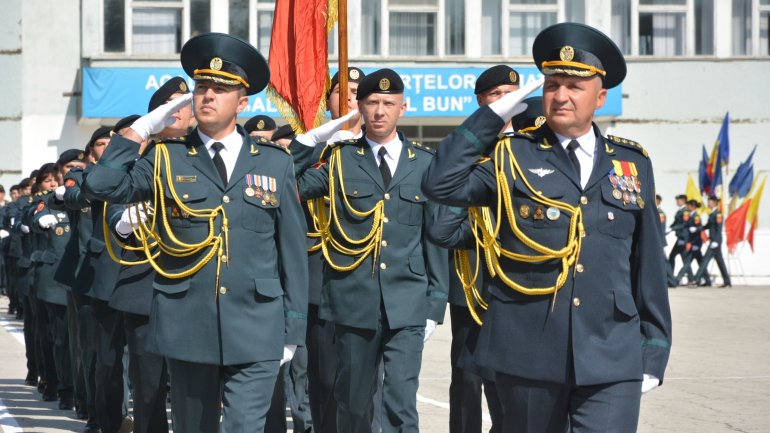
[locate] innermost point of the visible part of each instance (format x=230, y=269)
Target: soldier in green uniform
x=694, y=227
x=260, y=126
x=230, y=297
x=714, y=250
x=678, y=226
x=578, y=324
x=384, y=285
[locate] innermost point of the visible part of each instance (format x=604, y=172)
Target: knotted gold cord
x=367, y=245
x=150, y=239
x=480, y=220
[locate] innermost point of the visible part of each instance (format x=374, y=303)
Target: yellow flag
x=692, y=191
x=751, y=214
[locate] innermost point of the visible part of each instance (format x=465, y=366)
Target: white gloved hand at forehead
x=325, y=131
x=160, y=118
x=511, y=105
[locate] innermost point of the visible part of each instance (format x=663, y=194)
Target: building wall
x=11, y=109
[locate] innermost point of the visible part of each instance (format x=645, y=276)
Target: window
x=454, y=27
x=262, y=25
x=371, y=26
x=750, y=25
x=413, y=27
x=490, y=27
x=662, y=27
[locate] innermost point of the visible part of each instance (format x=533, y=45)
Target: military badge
x=539, y=213
x=384, y=84
x=567, y=53
x=524, y=211
x=512, y=77
x=540, y=121
x=616, y=194
x=186, y=179
x=686, y=217
x=542, y=172
x=261, y=124
x=67, y=229
x=610, y=216
x=552, y=213
x=354, y=74
x=183, y=86
x=69, y=183
x=626, y=198
x=640, y=202
x=719, y=218
x=40, y=207
x=175, y=212
x=59, y=231
x=216, y=63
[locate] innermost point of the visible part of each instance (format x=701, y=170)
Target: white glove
x=430, y=326
x=4, y=234
x=288, y=353
x=24, y=229
x=47, y=221
x=59, y=192
x=692, y=229
x=649, y=383
x=160, y=118
x=342, y=134
x=511, y=105
x=714, y=245
x=131, y=218
x=325, y=131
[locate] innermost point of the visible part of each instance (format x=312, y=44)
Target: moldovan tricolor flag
x=752, y=216
x=299, y=72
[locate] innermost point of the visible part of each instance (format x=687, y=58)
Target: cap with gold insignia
x=380, y=81
x=170, y=87
x=355, y=75
x=227, y=60
x=71, y=155
x=579, y=50
x=496, y=76
x=531, y=118
x=259, y=123
x=101, y=132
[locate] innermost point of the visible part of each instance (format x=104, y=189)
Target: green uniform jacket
x=262, y=295
x=612, y=316
x=410, y=277
x=81, y=224
x=56, y=239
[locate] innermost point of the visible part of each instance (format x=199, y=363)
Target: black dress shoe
x=50, y=397
x=66, y=404
x=41, y=386
x=704, y=285
x=82, y=414
x=30, y=381
x=91, y=426
x=725, y=286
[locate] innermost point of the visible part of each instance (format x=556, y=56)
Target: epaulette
x=423, y=147
x=343, y=142
x=262, y=141
x=628, y=143
x=516, y=134
x=31, y=199
x=483, y=159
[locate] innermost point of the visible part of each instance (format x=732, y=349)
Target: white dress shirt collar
x=585, y=153
x=393, y=148
x=232, y=147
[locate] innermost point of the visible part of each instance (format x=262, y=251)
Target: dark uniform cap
x=174, y=85
x=579, y=50
x=101, y=132
x=531, y=118
x=713, y=198
x=355, y=75
x=658, y=197
x=71, y=155
x=125, y=123
x=284, y=131
x=259, y=123
x=227, y=60
x=681, y=197
x=693, y=203
x=380, y=81
x=496, y=76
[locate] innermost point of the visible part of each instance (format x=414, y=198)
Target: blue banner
x=429, y=92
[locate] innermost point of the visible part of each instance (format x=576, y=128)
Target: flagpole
x=342, y=39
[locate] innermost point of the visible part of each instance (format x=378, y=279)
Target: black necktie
x=219, y=163
x=384, y=169
x=571, y=147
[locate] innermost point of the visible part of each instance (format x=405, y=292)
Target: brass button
x=186, y=196
x=384, y=243
x=355, y=192
x=383, y=266
x=579, y=267
x=584, y=200
x=226, y=199
x=224, y=259
x=222, y=290
x=576, y=301
x=387, y=196
x=385, y=220
x=417, y=197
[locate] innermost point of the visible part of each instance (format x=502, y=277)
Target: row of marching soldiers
x=196, y=258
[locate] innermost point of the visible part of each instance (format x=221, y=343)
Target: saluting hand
x=325, y=131
x=511, y=105
x=158, y=119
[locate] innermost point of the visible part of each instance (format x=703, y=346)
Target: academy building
x=73, y=65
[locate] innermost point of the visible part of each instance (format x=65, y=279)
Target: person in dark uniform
x=384, y=285
x=714, y=250
x=579, y=323
x=230, y=299
x=133, y=291
x=694, y=228
x=662, y=216
x=678, y=226
x=260, y=126
x=493, y=84
x=321, y=351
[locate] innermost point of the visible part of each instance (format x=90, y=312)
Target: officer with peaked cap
x=230, y=296
x=578, y=323
x=260, y=126
x=384, y=285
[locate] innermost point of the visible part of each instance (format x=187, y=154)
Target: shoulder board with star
x=630, y=144
x=262, y=141
x=424, y=148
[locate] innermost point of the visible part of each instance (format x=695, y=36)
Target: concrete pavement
x=718, y=379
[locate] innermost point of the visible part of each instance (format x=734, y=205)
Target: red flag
x=735, y=226
x=299, y=72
